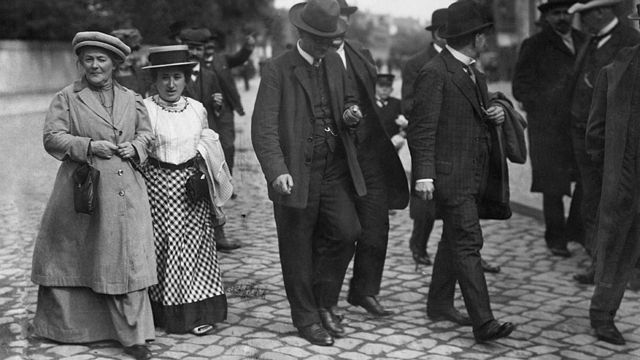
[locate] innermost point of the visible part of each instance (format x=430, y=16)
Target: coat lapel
x=93, y=104
x=302, y=74
x=557, y=42
x=333, y=69
x=462, y=80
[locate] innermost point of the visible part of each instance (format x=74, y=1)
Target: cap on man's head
x=591, y=4
x=345, y=9
x=100, y=40
x=552, y=4
x=465, y=17
x=438, y=20
x=385, y=79
x=195, y=36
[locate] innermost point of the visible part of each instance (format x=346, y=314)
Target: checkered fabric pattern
x=188, y=268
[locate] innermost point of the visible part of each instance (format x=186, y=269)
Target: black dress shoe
x=493, y=330
x=421, y=259
x=560, y=251
x=222, y=242
x=138, y=352
x=316, y=334
x=609, y=333
x=586, y=277
x=489, y=268
x=452, y=315
x=331, y=323
x=337, y=314
x=370, y=304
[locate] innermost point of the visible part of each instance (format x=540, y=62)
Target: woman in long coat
x=94, y=270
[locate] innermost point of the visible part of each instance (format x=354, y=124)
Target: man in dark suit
x=205, y=87
x=544, y=64
x=609, y=36
x=422, y=212
x=384, y=175
x=222, y=64
x=302, y=133
x=449, y=140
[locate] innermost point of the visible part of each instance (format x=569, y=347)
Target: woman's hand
x=103, y=148
x=126, y=150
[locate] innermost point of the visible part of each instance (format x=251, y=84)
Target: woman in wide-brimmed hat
x=94, y=269
x=189, y=296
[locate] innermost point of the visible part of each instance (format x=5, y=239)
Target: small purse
x=197, y=186
x=85, y=188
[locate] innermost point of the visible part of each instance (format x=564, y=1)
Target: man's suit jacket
x=360, y=66
x=283, y=122
x=206, y=84
x=540, y=82
x=622, y=36
x=447, y=128
x=410, y=74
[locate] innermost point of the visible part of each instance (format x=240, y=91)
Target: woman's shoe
x=138, y=352
x=203, y=330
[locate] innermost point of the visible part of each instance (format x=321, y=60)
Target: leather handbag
x=85, y=188
x=197, y=187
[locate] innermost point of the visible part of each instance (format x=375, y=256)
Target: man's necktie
x=469, y=70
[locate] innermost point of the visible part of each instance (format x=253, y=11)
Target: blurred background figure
x=540, y=82
x=388, y=108
x=129, y=74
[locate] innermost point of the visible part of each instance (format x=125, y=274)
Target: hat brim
x=446, y=35
x=188, y=63
x=348, y=10
x=434, y=27
x=580, y=7
x=634, y=17
x=548, y=6
x=295, y=16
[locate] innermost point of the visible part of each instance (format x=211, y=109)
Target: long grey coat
x=110, y=251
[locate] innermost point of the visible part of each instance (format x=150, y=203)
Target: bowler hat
x=171, y=55
x=550, y=4
x=463, y=18
x=101, y=40
x=345, y=9
x=635, y=16
x=438, y=20
x=195, y=36
x=583, y=6
x=318, y=17
x=385, y=79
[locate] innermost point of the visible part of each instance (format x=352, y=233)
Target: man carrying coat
x=302, y=131
x=612, y=143
x=449, y=140
x=544, y=65
x=384, y=176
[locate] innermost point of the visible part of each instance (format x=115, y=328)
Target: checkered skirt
x=188, y=268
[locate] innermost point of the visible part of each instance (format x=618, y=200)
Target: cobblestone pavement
x=534, y=290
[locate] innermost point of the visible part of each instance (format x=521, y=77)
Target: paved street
x=534, y=290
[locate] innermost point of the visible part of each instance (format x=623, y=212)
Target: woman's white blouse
x=177, y=128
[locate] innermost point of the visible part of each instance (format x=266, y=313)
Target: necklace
x=170, y=107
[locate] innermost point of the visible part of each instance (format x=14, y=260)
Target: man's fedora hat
x=318, y=17
x=167, y=56
x=195, y=36
x=583, y=6
x=550, y=4
x=635, y=16
x=463, y=18
x=345, y=9
x=438, y=20
x=100, y=40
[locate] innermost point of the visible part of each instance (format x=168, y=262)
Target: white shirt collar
x=609, y=26
x=460, y=56
x=196, y=69
x=305, y=55
x=343, y=56
x=437, y=47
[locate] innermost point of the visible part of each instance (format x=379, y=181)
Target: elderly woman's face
x=170, y=83
x=97, y=64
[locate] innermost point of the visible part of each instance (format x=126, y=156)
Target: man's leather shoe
x=331, y=323
x=560, y=251
x=586, y=277
x=452, y=315
x=370, y=304
x=493, y=330
x=609, y=332
x=222, y=243
x=316, y=334
x=337, y=314
x=489, y=268
x=138, y=352
x=421, y=259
